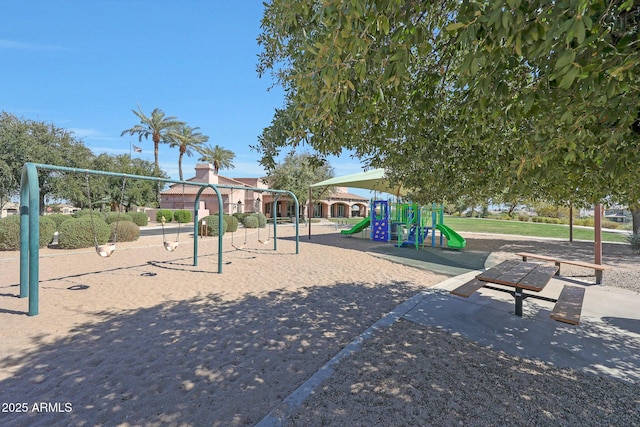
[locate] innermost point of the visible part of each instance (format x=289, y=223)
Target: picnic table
x=520, y=275
x=532, y=277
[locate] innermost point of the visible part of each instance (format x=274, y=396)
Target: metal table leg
x=519, y=297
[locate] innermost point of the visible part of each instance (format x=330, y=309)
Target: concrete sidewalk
x=606, y=342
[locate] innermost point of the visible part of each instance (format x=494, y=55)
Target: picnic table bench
x=598, y=268
x=527, y=276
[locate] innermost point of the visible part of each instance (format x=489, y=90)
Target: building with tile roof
x=337, y=204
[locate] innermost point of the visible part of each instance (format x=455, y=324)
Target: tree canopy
x=509, y=99
x=25, y=141
x=296, y=173
x=157, y=126
x=187, y=139
x=219, y=157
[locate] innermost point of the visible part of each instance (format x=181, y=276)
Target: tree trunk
x=635, y=215
x=156, y=168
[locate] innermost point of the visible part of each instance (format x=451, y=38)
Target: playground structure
x=408, y=224
x=30, y=224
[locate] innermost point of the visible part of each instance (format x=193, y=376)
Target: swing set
x=171, y=246
x=30, y=222
x=107, y=249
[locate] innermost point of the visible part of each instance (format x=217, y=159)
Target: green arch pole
x=29, y=236
x=296, y=224
x=278, y=194
x=195, y=225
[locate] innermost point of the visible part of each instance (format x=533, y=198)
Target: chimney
x=204, y=173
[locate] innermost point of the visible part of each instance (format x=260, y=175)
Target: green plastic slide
x=358, y=227
x=454, y=240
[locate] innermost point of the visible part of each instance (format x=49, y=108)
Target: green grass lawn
x=534, y=229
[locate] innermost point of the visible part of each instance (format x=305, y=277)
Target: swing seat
x=171, y=246
x=106, y=250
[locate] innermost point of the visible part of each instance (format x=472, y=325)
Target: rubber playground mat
x=439, y=259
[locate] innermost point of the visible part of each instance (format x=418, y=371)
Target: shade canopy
x=371, y=180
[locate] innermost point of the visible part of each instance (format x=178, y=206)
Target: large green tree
x=188, y=140
x=106, y=192
x=219, y=157
x=157, y=126
x=512, y=99
x=24, y=140
x=296, y=173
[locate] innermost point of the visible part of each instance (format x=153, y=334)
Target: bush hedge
x=139, y=218
x=85, y=212
x=232, y=223
x=111, y=217
x=59, y=218
x=251, y=221
x=212, y=226
x=546, y=220
x=262, y=219
x=240, y=216
x=634, y=241
x=10, y=232
x=166, y=213
x=79, y=233
x=182, y=216
x=128, y=231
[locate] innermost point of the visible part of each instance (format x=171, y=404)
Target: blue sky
x=84, y=65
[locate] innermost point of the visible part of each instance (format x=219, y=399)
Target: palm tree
x=187, y=140
x=157, y=126
x=219, y=157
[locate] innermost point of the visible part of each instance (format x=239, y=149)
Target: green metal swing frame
x=30, y=221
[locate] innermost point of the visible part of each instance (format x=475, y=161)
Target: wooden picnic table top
x=524, y=275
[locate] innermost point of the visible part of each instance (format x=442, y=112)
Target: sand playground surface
x=146, y=338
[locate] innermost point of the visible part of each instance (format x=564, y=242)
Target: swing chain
x=93, y=224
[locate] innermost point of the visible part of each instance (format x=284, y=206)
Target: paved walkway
x=606, y=342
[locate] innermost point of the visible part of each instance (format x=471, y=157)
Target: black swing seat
x=106, y=250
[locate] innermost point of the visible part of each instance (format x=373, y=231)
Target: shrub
x=589, y=222
x=212, y=226
x=546, y=220
x=139, y=218
x=262, y=220
x=611, y=224
x=85, y=212
x=240, y=216
x=59, y=218
x=182, y=216
x=251, y=221
x=166, y=213
x=523, y=217
x=79, y=233
x=111, y=217
x=10, y=232
x=634, y=241
x=232, y=223
x=127, y=231
x=551, y=211
x=48, y=228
